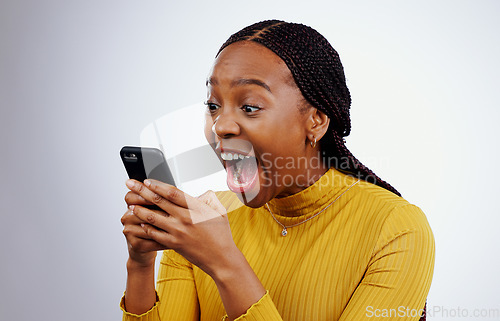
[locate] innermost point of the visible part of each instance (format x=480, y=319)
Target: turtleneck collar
x=314, y=197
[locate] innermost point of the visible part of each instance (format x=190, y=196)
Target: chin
x=253, y=203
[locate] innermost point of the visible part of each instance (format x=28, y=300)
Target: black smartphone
x=146, y=162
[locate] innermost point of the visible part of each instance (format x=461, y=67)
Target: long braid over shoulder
x=318, y=72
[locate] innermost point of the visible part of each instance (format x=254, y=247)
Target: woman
x=306, y=232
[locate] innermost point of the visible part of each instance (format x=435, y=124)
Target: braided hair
x=318, y=72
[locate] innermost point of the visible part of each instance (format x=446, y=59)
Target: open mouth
x=242, y=171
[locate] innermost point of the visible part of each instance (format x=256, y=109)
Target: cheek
x=281, y=145
x=290, y=131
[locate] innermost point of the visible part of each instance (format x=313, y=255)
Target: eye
x=211, y=107
x=250, y=109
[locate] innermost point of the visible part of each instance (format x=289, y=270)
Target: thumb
x=210, y=199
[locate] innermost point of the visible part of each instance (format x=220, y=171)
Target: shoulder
x=381, y=209
x=377, y=196
x=387, y=222
x=368, y=197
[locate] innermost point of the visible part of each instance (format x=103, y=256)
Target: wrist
x=232, y=266
x=134, y=265
x=140, y=295
x=238, y=285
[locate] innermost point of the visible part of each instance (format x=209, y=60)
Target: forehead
x=250, y=60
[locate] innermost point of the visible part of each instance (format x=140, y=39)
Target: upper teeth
x=233, y=156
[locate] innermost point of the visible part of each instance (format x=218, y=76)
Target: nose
x=225, y=126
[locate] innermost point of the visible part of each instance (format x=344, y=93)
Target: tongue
x=243, y=170
x=241, y=173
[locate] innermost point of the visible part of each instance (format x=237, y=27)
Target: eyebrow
x=241, y=82
x=245, y=81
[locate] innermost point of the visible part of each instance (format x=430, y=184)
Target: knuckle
x=128, y=197
x=150, y=218
x=125, y=218
x=137, y=210
x=148, y=230
x=208, y=196
x=126, y=231
x=174, y=243
x=157, y=199
x=172, y=193
x=183, y=220
x=134, y=244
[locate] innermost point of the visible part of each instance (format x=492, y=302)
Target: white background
x=80, y=79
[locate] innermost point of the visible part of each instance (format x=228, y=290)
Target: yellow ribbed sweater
x=369, y=254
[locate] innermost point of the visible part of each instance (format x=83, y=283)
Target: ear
x=317, y=124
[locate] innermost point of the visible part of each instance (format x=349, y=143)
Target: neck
x=315, y=168
x=307, y=202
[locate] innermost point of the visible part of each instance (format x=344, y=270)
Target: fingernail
x=130, y=183
x=147, y=182
x=131, y=208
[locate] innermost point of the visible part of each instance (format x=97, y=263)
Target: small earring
x=313, y=144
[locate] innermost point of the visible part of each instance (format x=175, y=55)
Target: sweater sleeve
x=399, y=274
x=264, y=309
x=176, y=292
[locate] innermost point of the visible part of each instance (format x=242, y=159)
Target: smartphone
x=146, y=162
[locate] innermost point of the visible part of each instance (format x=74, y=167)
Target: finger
x=144, y=246
x=167, y=240
x=204, y=197
x=130, y=219
x=210, y=198
x=151, y=196
x=156, y=218
x=132, y=231
x=169, y=192
x=132, y=198
x=188, y=207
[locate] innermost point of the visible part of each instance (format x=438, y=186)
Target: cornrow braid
x=318, y=72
